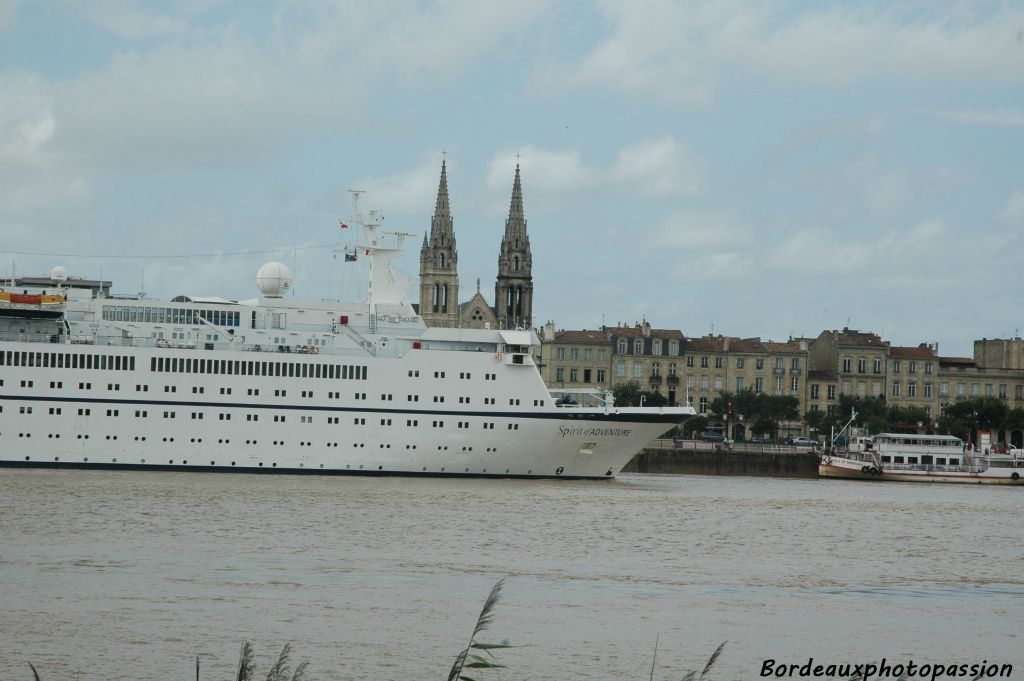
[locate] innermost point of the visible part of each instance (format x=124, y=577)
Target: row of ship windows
x=67, y=360
x=303, y=465
x=278, y=418
x=188, y=365
x=225, y=441
x=201, y=390
x=170, y=315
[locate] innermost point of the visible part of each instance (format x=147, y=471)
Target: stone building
x=439, y=304
x=912, y=380
x=575, y=359
x=652, y=357
x=858, y=358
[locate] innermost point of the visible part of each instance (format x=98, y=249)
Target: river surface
x=132, y=575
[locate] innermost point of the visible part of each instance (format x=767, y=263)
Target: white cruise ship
x=280, y=385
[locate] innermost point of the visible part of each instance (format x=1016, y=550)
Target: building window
x=878, y=365
x=794, y=383
x=862, y=366
x=588, y=354
x=638, y=370
x=960, y=392
x=759, y=384
x=703, y=405
x=600, y=355
x=719, y=362
x=638, y=347
x=814, y=391
x=622, y=347
x=718, y=384
x=830, y=392
x=673, y=348
x=912, y=367
x=703, y=362
x=846, y=365
x=1019, y=392
x=600, y=376
x=560, y=374
x=574, y=375
x=896, y=389
x=620, y=370
x=927, y=390
x=895, y=366
x=689, y=361
x=739, y=383
x=927, y=367
x=911, y=389
x=560, y=353
x=739, y=362
x=656, y=369
x=574, y=354
x=657, y=346
x=988, y=390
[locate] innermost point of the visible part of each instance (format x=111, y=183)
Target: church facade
x=439, y=276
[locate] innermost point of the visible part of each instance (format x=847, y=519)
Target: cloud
x=656, y=168
x=660, y=168
x=992, y=117
x=128, y=20
x=411, y=192
x=1012, y=214
x=8, y=8
x=696, y=232
x=670, y=50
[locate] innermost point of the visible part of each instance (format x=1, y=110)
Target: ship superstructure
x=275, y=384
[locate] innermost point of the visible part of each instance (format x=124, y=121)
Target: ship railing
x=31, y=337
x=932, y=468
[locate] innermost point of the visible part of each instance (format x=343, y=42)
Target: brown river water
x=132, y=575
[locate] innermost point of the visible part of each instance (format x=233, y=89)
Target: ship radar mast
x=380, y=247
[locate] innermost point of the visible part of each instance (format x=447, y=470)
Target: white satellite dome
x=274, y=279
x=58, y=273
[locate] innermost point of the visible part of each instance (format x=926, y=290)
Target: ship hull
x=444, y=414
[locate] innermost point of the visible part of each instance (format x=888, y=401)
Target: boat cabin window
x=886, y=459
x=911, y=459
x=954, y=462
x=897, y=459
x=940, y=461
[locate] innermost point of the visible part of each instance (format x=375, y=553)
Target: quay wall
x=715, y=460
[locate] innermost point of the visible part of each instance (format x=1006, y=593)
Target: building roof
x=819, y=375
x=957, y=361
x=849, y=336
x=583, y=336
x=922, y=351
x=641, y=331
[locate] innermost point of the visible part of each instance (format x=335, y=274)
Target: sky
x=743, y=168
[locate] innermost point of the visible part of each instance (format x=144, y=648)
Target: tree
x=627, y=394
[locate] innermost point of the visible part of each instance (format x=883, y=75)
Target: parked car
x=712, y=436
x=761, y=439
x=804, y=442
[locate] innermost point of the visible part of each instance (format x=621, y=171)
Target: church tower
x=513, y=292
x=439, y=259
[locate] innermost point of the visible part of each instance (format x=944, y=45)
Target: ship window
x=897, y=459
x=911, y=459
x=344, y=371
x=954, y=462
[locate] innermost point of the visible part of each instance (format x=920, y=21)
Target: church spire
x=515, y=225
x=442, y=220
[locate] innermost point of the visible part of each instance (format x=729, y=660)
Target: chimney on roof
x=645, y=330
x=549, y=331
x=725, y=344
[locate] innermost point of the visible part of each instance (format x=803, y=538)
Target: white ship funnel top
x=274, y=280
x=58, y=273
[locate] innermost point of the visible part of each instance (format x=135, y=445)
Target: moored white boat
x=921, y=458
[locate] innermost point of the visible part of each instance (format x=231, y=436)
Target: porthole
x=467, y=470
x=261, y=464
x=442, y=469
x=211, y=463
x=274, y=465
x=529, y=472
x=485, y=470
x=26, y=458
x=113, y=460
x=143, y=461
x=380, y=468
x=171, y=461
x=360, y=466
x=184, y=461
x=56, y=458
x=301, y=465
x=321, y=465
x=86, y=459
x=506, y=470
